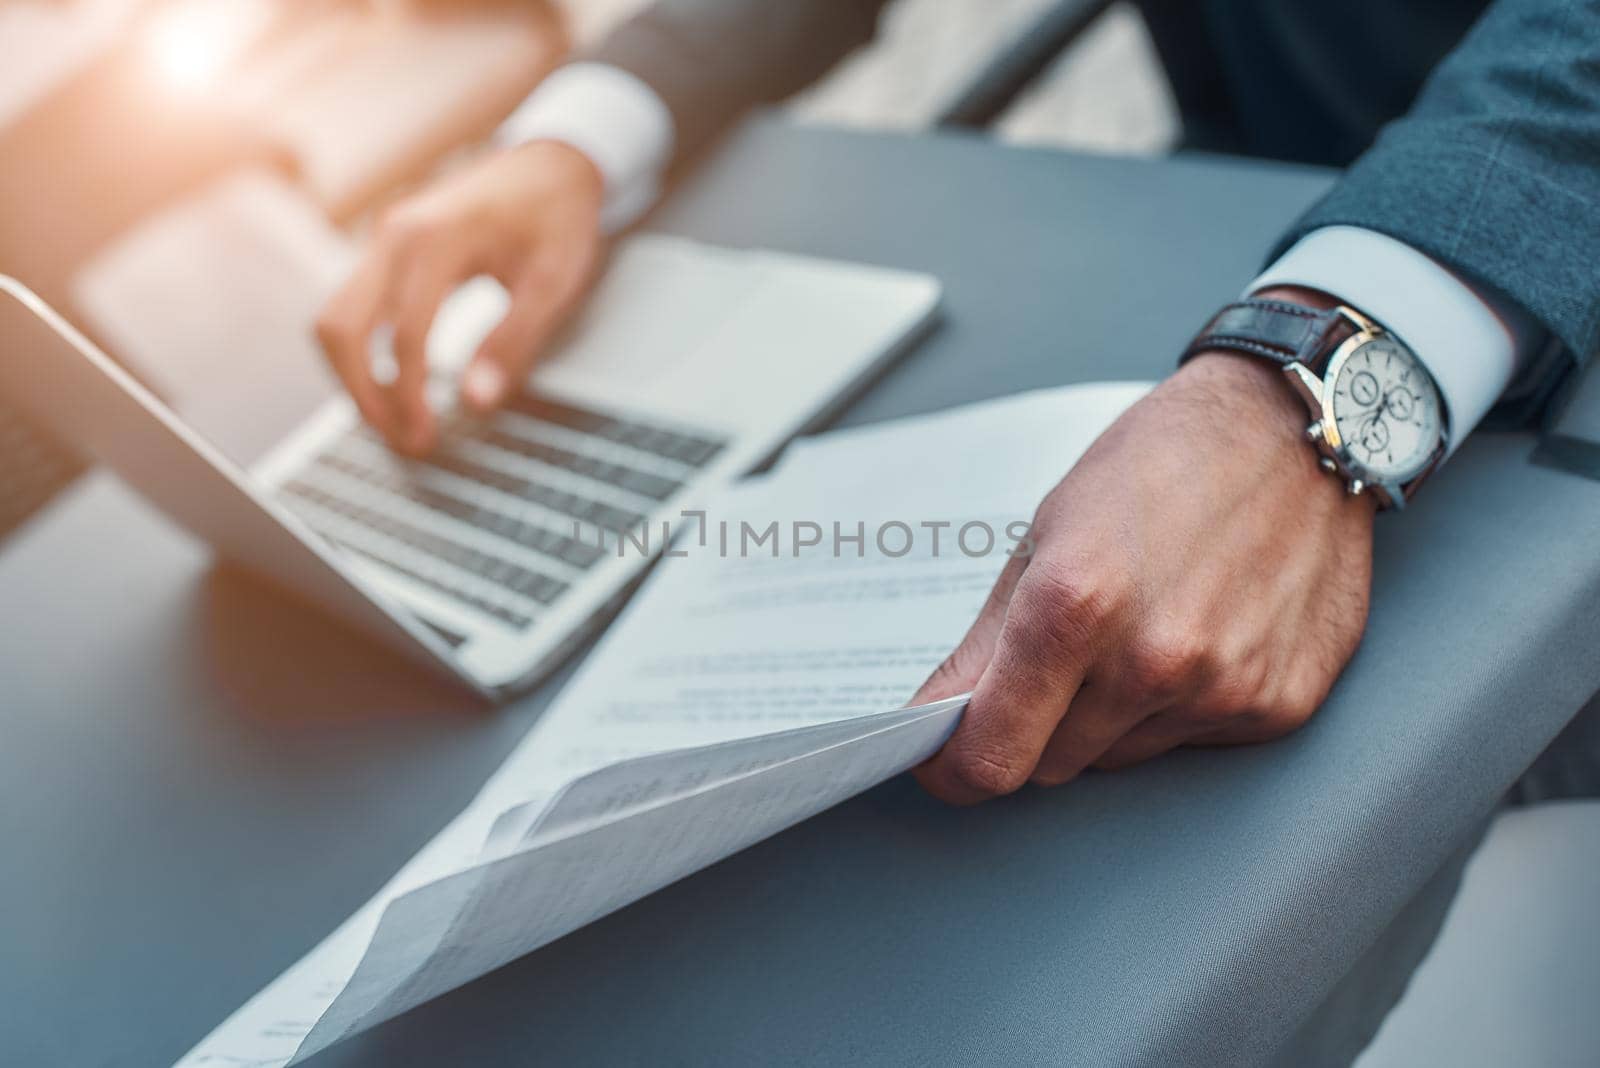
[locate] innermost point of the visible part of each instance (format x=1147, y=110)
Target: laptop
x=491, y=558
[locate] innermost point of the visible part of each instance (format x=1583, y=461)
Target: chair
x=1512, y=976
x=1032, y=49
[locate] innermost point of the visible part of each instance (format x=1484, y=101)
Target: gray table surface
x=199, y=779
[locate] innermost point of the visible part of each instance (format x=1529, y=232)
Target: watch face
x=1387, y=410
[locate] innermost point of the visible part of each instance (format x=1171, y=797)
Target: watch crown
x=1357, y=487
x=1328, y=465
x=1314, y=431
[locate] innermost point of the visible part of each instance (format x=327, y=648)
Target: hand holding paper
x=1197, y=580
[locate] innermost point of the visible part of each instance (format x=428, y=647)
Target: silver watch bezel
x=1317, y=392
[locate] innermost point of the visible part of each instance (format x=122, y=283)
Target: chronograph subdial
x=1364, y=388
x=1375, y=437
x=1401, y=404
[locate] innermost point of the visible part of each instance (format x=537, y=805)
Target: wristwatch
x=1377, y=418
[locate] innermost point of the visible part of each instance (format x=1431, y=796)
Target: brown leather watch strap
x=1275, y=330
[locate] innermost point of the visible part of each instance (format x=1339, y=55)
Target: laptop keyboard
x=502, y=517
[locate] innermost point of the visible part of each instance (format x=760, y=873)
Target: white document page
x=741, y=692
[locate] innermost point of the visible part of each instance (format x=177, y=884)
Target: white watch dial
x=1387, y=410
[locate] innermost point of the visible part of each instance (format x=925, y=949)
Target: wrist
x=571, y=166
x=1244, y=383
x=1265, y=423
x=1376, y=417
x=615, y=120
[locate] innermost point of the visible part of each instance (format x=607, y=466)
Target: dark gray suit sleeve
x=1495, y=171
x=709, y=60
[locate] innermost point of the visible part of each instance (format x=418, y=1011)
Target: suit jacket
x=1471, y=131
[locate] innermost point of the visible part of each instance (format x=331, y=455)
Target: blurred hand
x=529, y=217
x=1196, y=580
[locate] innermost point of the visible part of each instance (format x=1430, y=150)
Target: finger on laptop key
x=415, y=306
x=543, y=295
x=344, y=329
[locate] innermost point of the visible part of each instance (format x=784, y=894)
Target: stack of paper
x=744, y=690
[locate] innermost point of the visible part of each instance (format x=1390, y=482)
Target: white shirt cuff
x=1469, y=347
x=613, y=118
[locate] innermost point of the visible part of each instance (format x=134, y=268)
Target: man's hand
x=530, y=217
x=1196, y=580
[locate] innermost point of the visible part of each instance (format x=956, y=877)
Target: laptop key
x=656, y=487
x=505, y=573
x=521, y=532
x=557, y=500
x=697, y=452
x=508, y=616
x=547, y=410
x=645, y=484
x=691, y=449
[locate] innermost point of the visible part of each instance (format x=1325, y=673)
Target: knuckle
x=1223, y=704
x=1072, y=593
x=1056, y=610
x=1232, y=696
x=1245, y=680
x=1280, y=710
x=334, y=327
x=549, y=279
x=1299, y=703
x=1163, y=664
x=408, y=223
x=988, y=770
x=1279, y=721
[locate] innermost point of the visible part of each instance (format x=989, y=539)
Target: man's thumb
x=959, y=672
